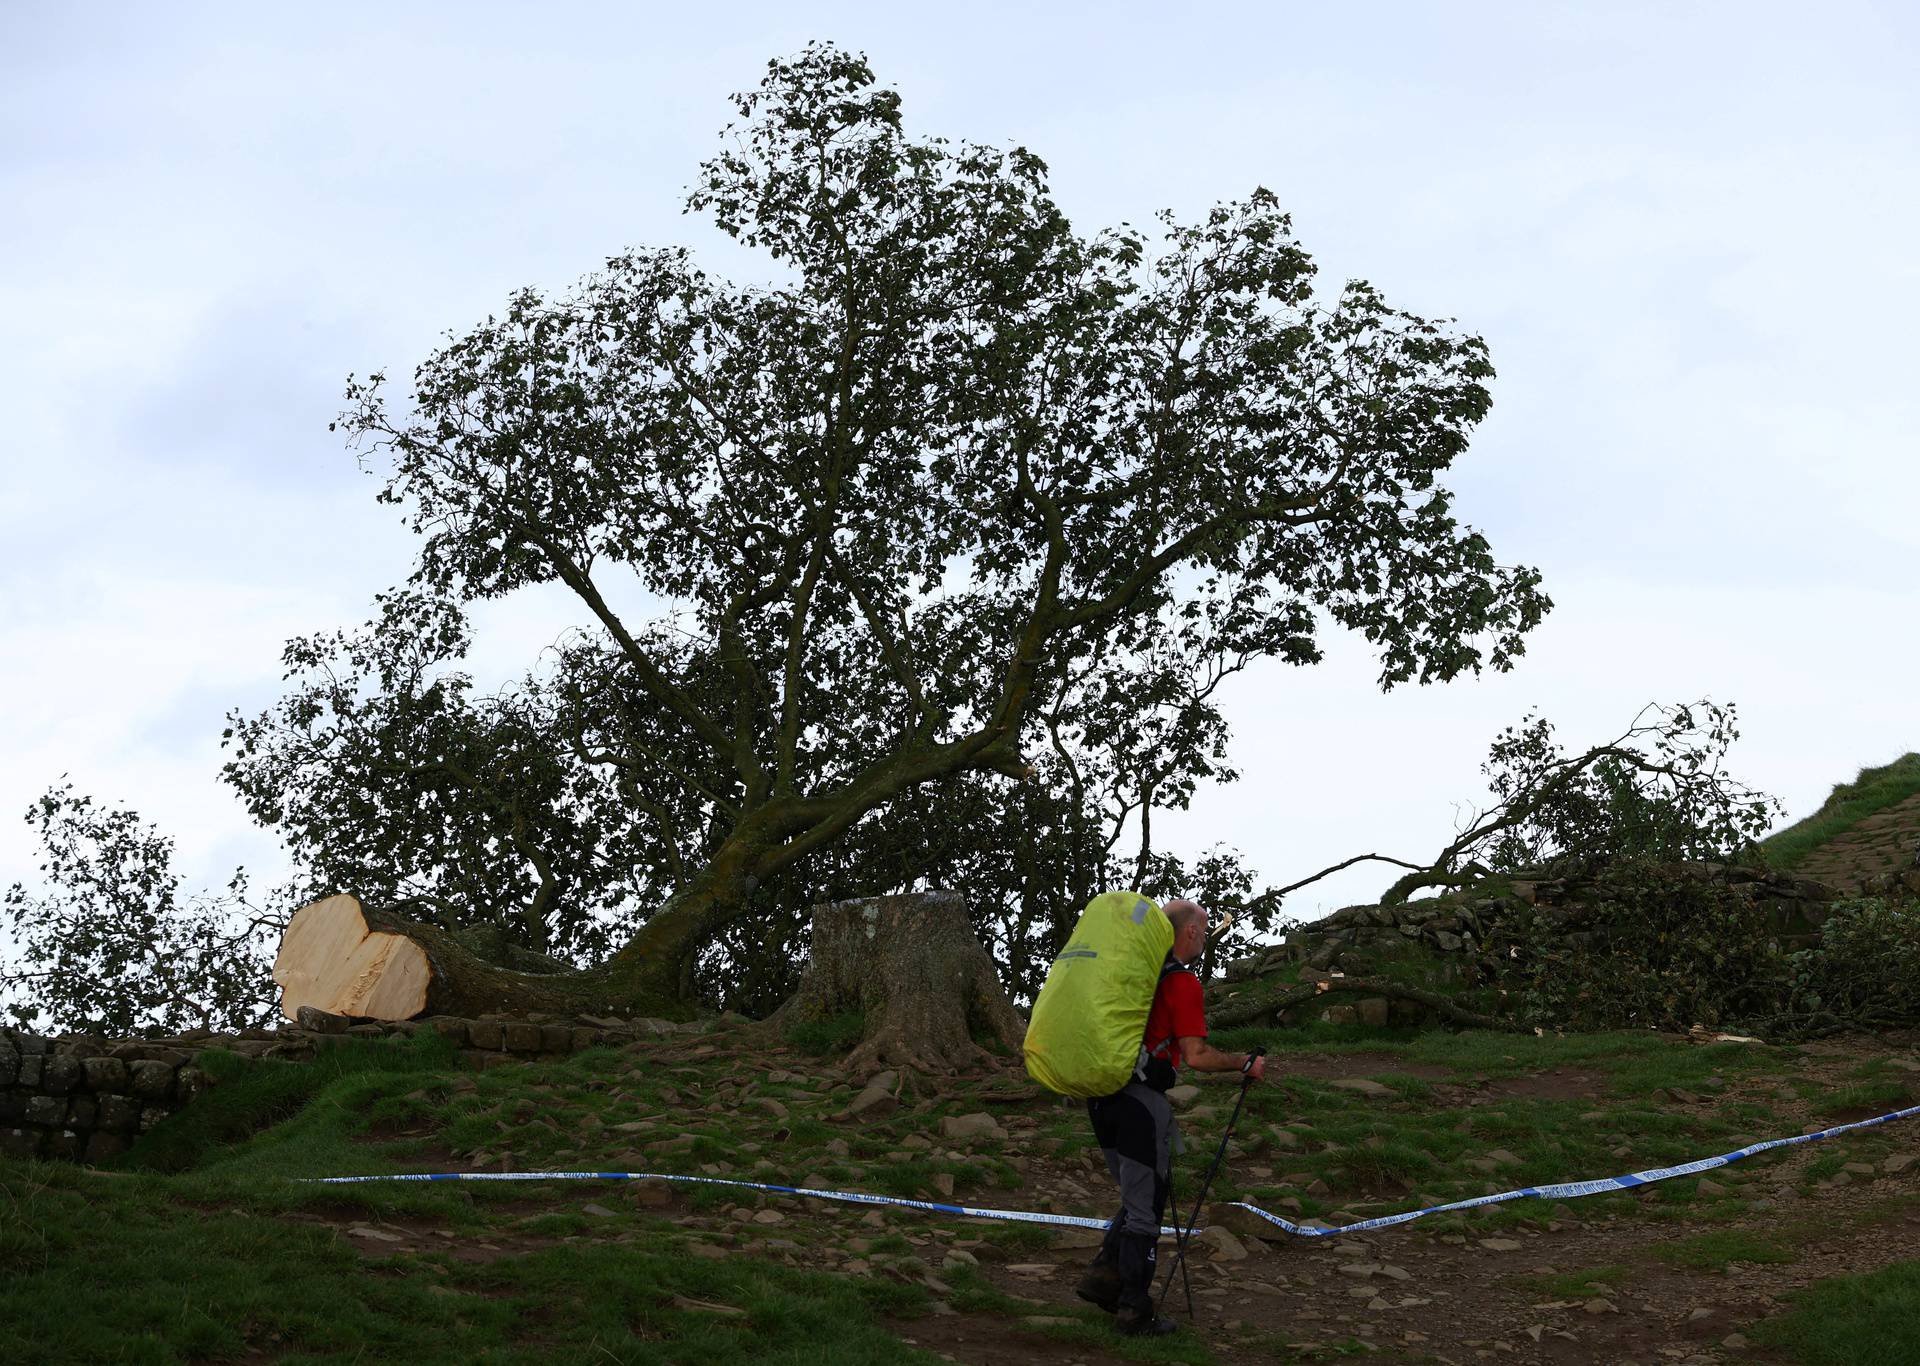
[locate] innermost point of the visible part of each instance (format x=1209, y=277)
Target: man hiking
x=1135, y=1129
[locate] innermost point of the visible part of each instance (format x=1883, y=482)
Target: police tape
x=1016, y=1216
x=1575, y=1190
x=1571, y=1190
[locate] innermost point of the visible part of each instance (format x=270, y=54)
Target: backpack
x=1084, y=1037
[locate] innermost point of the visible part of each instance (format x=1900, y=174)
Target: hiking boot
x=1100, y=1286
x=1147, y=1325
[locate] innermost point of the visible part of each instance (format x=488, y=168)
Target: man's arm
x=1197, y=1053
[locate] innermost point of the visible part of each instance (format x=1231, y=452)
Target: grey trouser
x=1136, y=1132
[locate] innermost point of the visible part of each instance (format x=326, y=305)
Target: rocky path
x=1882, y=843
x=1589, y=1281
x=1405, y=1296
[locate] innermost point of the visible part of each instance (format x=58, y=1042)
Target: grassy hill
x=1870, y=825
x=201, y=1246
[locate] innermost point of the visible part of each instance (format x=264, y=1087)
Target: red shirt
x=1179, y=1012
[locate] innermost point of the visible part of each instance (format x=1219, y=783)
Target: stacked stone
x=1449, y=926
x=1445, y=933
x=495, y=1040
x=489, y=1041
x=81, y=1097
x=1458, y=924
x=84, y=1098
x=1900, y=882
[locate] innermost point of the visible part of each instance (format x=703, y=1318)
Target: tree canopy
x=109, y=943
x=845, y=534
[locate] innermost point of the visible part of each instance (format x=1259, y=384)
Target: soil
x=1407, y=1295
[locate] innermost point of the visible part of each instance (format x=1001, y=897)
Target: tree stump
x=913, y=965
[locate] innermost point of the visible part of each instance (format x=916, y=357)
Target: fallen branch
x=1253, y=1004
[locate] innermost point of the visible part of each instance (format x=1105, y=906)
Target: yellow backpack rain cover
x=1084, y=1037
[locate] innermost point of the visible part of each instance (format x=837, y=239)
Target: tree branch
x=661, y=688
x=1255, y=1003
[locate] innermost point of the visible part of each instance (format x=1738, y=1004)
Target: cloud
x=1683, y=235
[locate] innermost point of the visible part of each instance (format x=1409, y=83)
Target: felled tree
x=1661, y=789
x=1658, y=790
x=884, y=502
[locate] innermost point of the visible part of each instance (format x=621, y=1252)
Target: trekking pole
x=1206, y=1184
x=1186, y=1281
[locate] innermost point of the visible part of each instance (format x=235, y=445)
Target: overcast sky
x=1686, y=231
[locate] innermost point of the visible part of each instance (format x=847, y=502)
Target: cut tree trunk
x=913, y=965
x=1261, y=1004
x=343, y=957
x=332, y=959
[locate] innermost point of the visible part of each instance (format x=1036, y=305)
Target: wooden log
x=332, y=959
x=343, y=957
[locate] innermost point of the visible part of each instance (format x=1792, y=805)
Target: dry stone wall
x=85, y=1098
x=493, y=1040
x=1433, y=943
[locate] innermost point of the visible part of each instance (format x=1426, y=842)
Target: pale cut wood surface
x=330, y=959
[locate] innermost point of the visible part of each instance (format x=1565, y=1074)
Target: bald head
x=1189, y=928
x=1183, y=913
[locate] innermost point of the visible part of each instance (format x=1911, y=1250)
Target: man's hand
x=1255, y=1067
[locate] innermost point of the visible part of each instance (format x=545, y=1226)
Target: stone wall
x=1433, y=942
x=1899, y=882
x=1457, y=924
x=87, y=1098
x=494, y=1040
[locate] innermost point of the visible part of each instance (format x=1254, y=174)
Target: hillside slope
x=1878, y=844
x=1349, y=1124
x=1865, y=828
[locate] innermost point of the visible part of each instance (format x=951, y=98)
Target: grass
x=1719, y=1248
x=1715, y=1250
x=1870, y=1320
x=163, y=1279
x=1876, y=1096
x=1076, y=1326
x=201, y=1248
x=835, y=1034
x=249, y=1097
x=1394, y=1151
x=204, y=1250
x=1091, y=1330
x=1636, y=1060
x=1289, y=1347
x=1874, y=790
x=1575, y=1285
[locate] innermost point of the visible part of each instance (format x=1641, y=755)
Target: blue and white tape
x=1575, y=1190
x=852, y=1197
x=1572, y=1190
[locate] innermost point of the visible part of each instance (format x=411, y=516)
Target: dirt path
x=1579, y=1282
x=1415, y=1297
x=1409, y=1295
